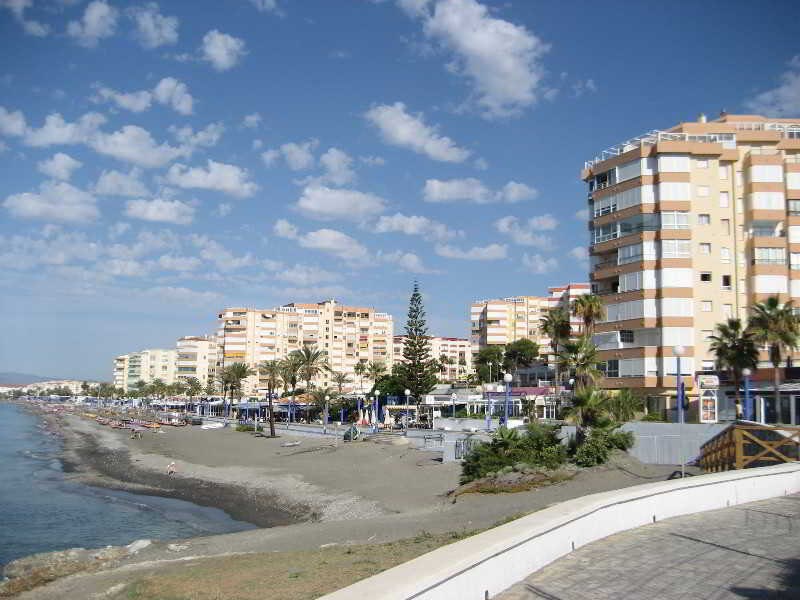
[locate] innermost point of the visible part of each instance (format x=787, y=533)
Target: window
x=724, y=200
x=794, y=207
x=612, y=368
x=703, y=219
x=725, y=255
x=705, y=277
x=723, y=171
x=675, y=248
x=626, y=336
x=706, y=306
x=794, y=260
x=702, y=191
x=769, y=256
x=701, y=163
x=727, y=310
x=726, y=282
x=726, y=226
x=674, y=220
x=705, y=248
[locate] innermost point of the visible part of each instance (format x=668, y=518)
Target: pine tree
x=418, y=372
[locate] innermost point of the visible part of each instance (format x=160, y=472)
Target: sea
x=41, y=510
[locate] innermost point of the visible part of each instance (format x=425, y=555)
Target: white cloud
x=59, y=166
x=221, y=177
x=582, y=214
x=56, y=131
x=473, y=190
x=298, y=155
x=490, y=252
x=171, y=262
x=12, y=123
x=266, y=6
x=258, y=144
x=414, y=225
x=152, y=28
x=99, y=21
x=223, y=209
x=252, y=121
x=55, y=201
x=501, y=60
x=135, y=145
x=133, y=101
x=581, y=254
x=216, y=253
x=783, y=100
x=124, y=267
x=372, y=161
x=284, y=229
x=160, y=210
x=118, y=229
x=61, y=248
x=399, y=128
x=408, y=261
x=306, y=275
x=335, y=243
x=583, y=86
x=116, y=183
x=174, y=93
x=324, y=203
x=524, y=234
x=181, y=296
x=207, y=137
x=29, y=26
x=223, y=51
x=338, y=167
x=538, y=264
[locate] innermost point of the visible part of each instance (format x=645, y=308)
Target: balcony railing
x=769, y=261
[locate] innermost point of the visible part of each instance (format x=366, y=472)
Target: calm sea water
x=40, y=511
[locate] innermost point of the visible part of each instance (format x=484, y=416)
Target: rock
x=138, y=545
x=177, y=547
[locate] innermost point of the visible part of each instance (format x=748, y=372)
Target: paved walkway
x=749, y=551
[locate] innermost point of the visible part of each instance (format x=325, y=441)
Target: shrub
x=245, y=428
x=594, y=451
x=656, y=417
x=621, y=440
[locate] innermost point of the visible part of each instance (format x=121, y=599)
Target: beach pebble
x=177, y=547
x=138, y=545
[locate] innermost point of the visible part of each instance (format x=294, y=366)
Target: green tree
x=237, y=372
x=580, y=358
x=193, y=387
x=159, y=388
x=774, y=325
x=488, y=363
x=321, y=398
x=555, y=325
x=418, y=371
x=520, y=354
x=735, y=349
x=272, y=370
x=340, y=380
x=589, y=408
x=390, y=385
x=589, y=308
x=85, y=388
x=312, y=363
x=139, y=386
x=360, y=369
x=290, y=372
x=623, y=405
x=210, y=389
x=375, y=370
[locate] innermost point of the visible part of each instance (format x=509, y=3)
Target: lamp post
x=678, y=351
x=487, y=389
x=453, y=397
x=408, y=395
x=508, y=378
x=375, y=410
x=325, y=415
x=748, y=415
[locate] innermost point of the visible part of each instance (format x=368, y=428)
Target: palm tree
x=321, y=398
x=775, y=326
x=234, y=374
x=159, y=388
x=588, y=409
x=290, y=369
x=340, y=380
x=193, y=387
x=736, y=349
x=312, y=363
x=624, y=405
x=555, y=325
x=580, y=357
x=376, y=370
x=444, y=362
x=360, y=369
x=589, y=308
x=273, y=371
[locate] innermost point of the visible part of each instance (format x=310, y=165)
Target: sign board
x=708, y=406
x=708, y=382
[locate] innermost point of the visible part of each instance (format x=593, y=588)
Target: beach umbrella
x=360, y=416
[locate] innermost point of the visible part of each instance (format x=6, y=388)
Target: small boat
x=211, y=426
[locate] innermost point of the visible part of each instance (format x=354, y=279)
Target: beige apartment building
x=457, y=351
x=196, y=356
x=349, y=335
x=504, y=320
x=147, y=365
x=690, y=226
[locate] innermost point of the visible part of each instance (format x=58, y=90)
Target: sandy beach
x=306, y=497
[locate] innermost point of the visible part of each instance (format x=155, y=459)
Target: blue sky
x=161, y=161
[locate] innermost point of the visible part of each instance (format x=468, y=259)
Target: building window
x=703, y=219
x=674, y=220
x=701, y=163
x=794, y=207
x=726, y=282
x=706, y=306
x=723, y=171
x=705, y=248
x=726, y=226
x=725, y=255
x=612, y=368
x=724, y=200
x=626, y=336
x=769, y=256
x=705, y=277
x=727, y=310
x=794, y=260
x=702, y=191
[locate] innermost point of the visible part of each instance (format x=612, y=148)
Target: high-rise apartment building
x=504, y=320
x=147, y=365
x=349, y=334
x=196, y=356
x=457, y=353
x=690, y=226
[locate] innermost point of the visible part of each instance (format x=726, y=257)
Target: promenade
x=748, y=551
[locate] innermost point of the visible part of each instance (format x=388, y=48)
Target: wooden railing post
x=739, y=444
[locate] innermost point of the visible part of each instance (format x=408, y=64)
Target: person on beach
x=171, y=469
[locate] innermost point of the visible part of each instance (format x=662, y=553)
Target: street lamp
x=325, y=415
x=453, y=398
x=487, y=390
x=375, y=410
x=408, y=394
x=508, y=378
x=748, y=414
x=679, y=351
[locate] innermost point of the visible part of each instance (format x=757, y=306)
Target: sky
x=161, y=161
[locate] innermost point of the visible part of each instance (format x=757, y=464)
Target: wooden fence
x=744, y=445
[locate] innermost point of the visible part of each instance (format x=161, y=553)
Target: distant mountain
x=23, y=378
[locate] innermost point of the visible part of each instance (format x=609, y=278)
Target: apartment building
x=196, y=356
x=457, y=351
x=504, y=320
x=146, y=365
x=690, y=226
x=349, y=334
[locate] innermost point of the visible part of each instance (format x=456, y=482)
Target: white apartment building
x=457, y=350
x=146, y=365
x=349, y=335
x=196, y=356
x=75, y=386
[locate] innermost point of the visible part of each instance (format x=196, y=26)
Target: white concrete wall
x=494, y=560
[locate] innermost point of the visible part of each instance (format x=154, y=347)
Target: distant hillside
x=23, y=378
